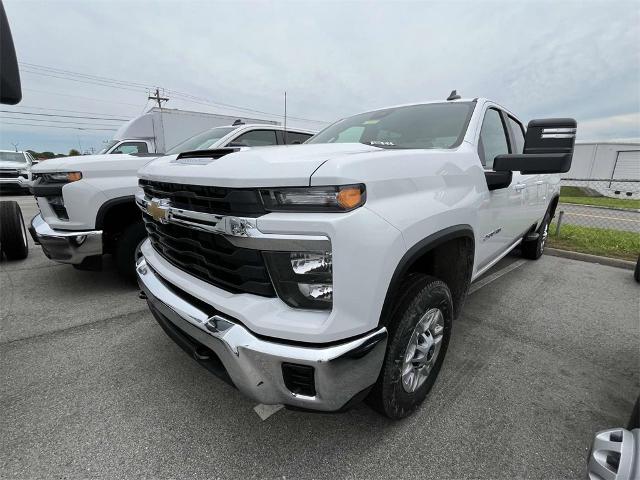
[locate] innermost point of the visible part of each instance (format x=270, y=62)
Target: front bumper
x=65, y=246
x=17, y=182
x=255, y=365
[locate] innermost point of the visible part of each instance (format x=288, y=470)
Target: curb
x=586, y=257
x=619, y=209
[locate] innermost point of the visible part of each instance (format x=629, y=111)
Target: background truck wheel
x=533, y=249
x=128, y=243
x=419, y=332
x=13, y=234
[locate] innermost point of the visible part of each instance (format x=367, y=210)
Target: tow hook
x=142, y=295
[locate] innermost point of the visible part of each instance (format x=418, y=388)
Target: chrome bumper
x=65, y=246
x=254, y=365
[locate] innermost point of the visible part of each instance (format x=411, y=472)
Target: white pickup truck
x=87, y=205
x=317, y=275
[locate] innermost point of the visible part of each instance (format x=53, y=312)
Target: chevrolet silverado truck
x=319, y=275
x=15, y=170
x=87, y=206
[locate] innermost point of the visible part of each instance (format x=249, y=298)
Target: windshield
x=432, y=125
x=12, y=157
x=201, y=141
x=108, y=146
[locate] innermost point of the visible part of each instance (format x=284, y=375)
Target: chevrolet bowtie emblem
x=159, y=210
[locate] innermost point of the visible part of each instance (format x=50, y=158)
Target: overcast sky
x=578, y=59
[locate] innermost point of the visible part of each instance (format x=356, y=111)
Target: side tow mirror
x=548, y=148
x=10, y=89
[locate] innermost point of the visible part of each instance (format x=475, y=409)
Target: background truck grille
x=200, y=198
x=9, y=173
x=211, y=258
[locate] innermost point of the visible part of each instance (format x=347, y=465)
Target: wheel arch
x=447, y=254
x=106, y=209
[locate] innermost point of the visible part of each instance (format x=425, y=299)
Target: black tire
x=636, y=272
x=420, y=295
x=533, y=249
x=13, y=234
x=127, y=248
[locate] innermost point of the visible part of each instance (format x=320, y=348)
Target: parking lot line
x=494, y=276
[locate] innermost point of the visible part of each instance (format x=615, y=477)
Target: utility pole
x=15, y=145
x=285, y=117
x=158, y=98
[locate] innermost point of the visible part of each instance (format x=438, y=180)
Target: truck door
x=500, y=214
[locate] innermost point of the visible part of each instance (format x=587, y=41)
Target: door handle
x=519, y=186
x=539, y=182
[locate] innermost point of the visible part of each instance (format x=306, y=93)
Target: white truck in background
x=159, y=130
x=87, y=205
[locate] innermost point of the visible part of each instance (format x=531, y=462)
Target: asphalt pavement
x=599, y=217
x=541, y=358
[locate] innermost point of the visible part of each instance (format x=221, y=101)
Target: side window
x=518, y=135
x=493, y=138
x=255, y=138
x=297, y=137
x=132, y=147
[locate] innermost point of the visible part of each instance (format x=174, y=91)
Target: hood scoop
x=203, y=157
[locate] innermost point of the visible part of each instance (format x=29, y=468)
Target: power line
x=137, y=105
x=65, y=116
x=71, y=111
x=120, y=87
x=54, y=126
x=114, y=83
x=96, y=77
x=76, y=122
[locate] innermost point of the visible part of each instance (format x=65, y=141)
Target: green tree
x=74, y=153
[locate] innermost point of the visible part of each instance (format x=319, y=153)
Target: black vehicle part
x=419, y=295
x=126, y=248
x=13, y=234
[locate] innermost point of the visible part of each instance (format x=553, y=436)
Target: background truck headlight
x=302, y=279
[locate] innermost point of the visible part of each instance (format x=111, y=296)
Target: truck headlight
x=58, y=177
x=302, y=279
x=340, y=198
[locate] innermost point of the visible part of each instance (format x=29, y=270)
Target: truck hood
x=13, y=165
x=282, y=166
x=87, y=163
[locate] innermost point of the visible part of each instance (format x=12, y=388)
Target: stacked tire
x=13, y=234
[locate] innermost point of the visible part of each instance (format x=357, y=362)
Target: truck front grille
x=9, y=173
x=211, y=258
x=200, y=198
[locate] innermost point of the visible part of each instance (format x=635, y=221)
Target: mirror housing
x=10, y=89
x=548, y=148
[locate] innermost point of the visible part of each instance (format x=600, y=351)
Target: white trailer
x=158, y=130
x=610, y=168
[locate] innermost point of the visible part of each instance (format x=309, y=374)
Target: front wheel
x=419, y=333
x=128, y=248
x=13, y=234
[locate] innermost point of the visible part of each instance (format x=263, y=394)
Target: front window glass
x=108, y=146
x=201, y=141
x=255, y=138
x=131, y=148
x=12, y=157
x=431, y=125
x=516, y=128
x=493, y=140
